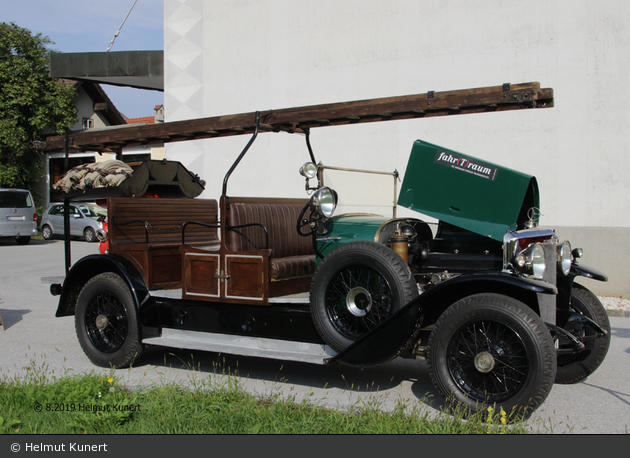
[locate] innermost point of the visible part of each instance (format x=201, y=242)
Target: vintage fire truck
x=475, y=286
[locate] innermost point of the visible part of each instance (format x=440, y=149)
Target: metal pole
x=66, y=234
x=66, y=214
x=307, y=132
x=238, y=159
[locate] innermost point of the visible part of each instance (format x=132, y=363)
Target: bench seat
x=292, y=255
x=148, y=232
x=291, y=267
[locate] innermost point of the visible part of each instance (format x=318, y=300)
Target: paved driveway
x=34, y=337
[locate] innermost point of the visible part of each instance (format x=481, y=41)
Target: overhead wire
x=111, y=43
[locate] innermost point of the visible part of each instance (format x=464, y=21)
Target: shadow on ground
x=11, y=317
x=335, y=376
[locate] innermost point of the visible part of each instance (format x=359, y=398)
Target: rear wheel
x=575, y=368
x=357, y=287
x=492, y=350
x=106, y=322
x=23, y=240
x=47, y=232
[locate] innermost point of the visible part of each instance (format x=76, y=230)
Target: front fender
x=88, y=267
x=588, y=272
x=347, y=228
x=565, y=282
x=397, y=333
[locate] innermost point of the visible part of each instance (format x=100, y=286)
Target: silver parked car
x=84, y=220
x=18, y=218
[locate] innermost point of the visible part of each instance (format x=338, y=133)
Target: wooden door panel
x=202, y=274
x=244, y=277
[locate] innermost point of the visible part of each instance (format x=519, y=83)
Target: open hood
x=467, y=192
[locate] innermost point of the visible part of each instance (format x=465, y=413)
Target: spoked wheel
x=577, y=367
x=357, y=287
x=106, y=322
x=492, y=350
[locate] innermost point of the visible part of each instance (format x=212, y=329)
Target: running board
x=244, y=346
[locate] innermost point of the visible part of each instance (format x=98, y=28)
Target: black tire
x=575, y=368
x=492, y=350
x=106, y=322
x=23, y=240
x=357, y=287
x=47, y=232
x=89, y=235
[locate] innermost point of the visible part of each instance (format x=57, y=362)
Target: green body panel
x=458, y=189
x=349, y=228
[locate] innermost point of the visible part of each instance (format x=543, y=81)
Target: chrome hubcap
x=359, y=301
x=101, y=322
x=484, y=362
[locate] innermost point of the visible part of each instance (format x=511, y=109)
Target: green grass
x=99, y=403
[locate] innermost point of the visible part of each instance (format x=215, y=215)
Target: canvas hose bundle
x=95, y=175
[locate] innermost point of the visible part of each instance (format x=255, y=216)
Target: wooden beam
x=427, y=104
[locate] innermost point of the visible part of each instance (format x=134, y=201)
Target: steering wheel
x=304, y=222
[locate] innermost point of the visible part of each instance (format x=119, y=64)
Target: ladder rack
x=302, y=119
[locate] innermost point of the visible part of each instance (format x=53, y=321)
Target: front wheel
x=492, y=350
x=357, y=287
x=90, y=235
x=575, y=368
x=106, y=322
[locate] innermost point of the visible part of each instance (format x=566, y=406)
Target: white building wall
x=224, y=57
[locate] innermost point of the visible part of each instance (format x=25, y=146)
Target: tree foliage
x=31, y=102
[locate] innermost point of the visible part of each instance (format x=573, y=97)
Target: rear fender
x=88, y=267
x=400, y=331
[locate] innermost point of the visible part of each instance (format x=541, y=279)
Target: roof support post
x=238, y=159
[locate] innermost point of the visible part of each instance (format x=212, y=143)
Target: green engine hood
x=467, y=192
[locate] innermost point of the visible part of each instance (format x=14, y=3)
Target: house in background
x=135, y=69
x=157, y=117
x=95, y=110
x=139, y=153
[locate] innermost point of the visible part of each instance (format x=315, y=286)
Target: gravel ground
x=616, y=306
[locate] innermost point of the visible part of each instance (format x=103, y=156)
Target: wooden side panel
x=165, y=268
x=138, y=258
x=148, y=232
x=202, y=275
x=245, y=277
x=164, y=220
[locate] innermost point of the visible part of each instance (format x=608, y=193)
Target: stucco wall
x=235, y=56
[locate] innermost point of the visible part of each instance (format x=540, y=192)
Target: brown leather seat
x=292, y=255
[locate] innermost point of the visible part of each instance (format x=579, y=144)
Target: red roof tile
x=143, y=120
